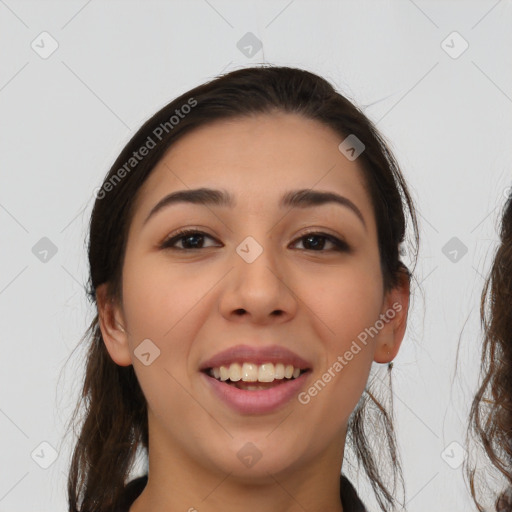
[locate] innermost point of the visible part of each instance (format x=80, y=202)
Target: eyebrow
x=303, y=198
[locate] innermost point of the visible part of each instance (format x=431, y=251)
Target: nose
x=260, y=292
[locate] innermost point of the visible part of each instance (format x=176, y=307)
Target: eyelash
x=339, y=245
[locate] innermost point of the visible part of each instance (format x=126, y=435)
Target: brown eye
x=312, y=243
x=191, y=239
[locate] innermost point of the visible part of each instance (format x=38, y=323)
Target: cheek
x=347, y=305
x=159, y=301
x=157, y=297
x=348, y=300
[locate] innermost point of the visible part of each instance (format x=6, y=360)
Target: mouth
x=253, y=397
x=253, y=377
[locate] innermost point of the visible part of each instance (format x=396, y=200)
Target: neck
x=177, y=481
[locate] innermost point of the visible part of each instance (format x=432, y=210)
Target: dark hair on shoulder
x=491, y=410
x=115, y=426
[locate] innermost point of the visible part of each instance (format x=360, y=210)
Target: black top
x=349, y=498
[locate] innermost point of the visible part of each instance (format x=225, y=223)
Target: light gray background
x=66, y=117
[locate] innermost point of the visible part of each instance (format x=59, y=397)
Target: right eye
x=190, y=237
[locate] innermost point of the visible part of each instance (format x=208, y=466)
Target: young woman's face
x=252, y=277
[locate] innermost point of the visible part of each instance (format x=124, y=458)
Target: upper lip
x=257, y=355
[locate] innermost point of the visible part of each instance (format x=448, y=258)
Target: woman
x=491, y=411
x=244, y=261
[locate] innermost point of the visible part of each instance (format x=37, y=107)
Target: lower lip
x=257, y=402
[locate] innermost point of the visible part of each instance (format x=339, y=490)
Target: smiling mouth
x=254, y=381
x=250, y=393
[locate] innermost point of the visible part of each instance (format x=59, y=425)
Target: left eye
x=339, y=245
x=191, y=237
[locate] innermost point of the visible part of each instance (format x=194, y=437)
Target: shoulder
x=131, y=492
x=349, y=498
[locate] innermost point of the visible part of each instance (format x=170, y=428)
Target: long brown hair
x=491, y=410
x=115, y=425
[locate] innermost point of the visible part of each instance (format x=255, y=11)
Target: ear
x=112, y=327
x=394, y=315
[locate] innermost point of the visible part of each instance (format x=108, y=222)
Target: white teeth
x=224, y=373
x=250, y=372
x=266, y=372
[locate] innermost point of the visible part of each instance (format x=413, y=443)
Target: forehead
x=258, y=159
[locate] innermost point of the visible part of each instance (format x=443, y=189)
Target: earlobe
x=112, y=327
x=396, y=308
